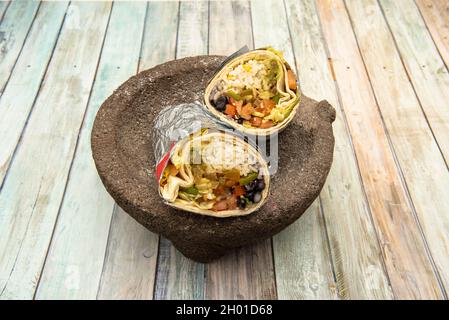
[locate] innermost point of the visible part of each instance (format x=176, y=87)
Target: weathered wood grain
x=33, y=189
x=159, y=39
x=3, y=7
x=353, y=243
x=426, y=70
x=130, y=262
x=425, y=172
x=404, y=252
x=19, y=94
x=296, y=263
x=177, y=276
x=81, y=234
x=247, y=273
x=14, y=28
x=229, y=27
x=436, y=16
x=193, y=28
x=120, y=271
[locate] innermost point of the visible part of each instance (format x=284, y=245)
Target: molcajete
x=123, y=154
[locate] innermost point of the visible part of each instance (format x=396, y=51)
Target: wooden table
x=380, y=228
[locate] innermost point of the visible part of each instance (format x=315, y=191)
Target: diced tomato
x=247, y=110
x=267, y=124
x=218, y=191
x=291, y=80
x=263, y=110
x=220, y=205
x=268, y=104
x=239, y=191
x=256, y=121
x=232, y=202
x=235, y=103
x=230, y=110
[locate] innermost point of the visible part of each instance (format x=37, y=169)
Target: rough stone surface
x=122, y=150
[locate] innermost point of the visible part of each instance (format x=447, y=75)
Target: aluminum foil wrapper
x=176, y=122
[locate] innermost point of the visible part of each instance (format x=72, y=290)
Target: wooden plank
x=159, y=39
x=33, y=189
x=127, y=275
x=3, y=7
x=436, y=16
x=294, y=261
x=157, y=47
x=246, y=273
x=413, y=142
x=86, y=211
x=353, y=243
x=230, y=26
x=19, y=94
x=13, y=32
x=407, y=263
x=177, y=276
x=130, y=263
x=424, y=66
x=192, y=29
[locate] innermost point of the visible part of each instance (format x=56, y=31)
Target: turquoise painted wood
x=179, y=277
x=427, y=71
x=87, y=208
x=35, y=183
x=26, y=78
x=13, y=31
x=3, y=7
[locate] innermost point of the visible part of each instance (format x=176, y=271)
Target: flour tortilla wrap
x=219, y=153
x=243, y=74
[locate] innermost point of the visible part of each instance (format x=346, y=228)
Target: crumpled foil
x=174, y=123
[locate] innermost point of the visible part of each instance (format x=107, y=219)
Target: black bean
x=241, y=203
x=220, y=103
x=257, y=197
x=250, y=196
x=260, y=185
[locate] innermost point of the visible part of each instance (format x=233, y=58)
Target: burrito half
x=256, y=93
x=215, y=173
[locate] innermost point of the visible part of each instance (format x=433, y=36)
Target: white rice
x=249, y=76
x=223, y=154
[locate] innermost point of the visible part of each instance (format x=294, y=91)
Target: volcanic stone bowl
x=123, y=154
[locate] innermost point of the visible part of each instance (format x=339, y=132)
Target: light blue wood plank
x=32, y=192
x=3, y=6
x=19, y=95
x=127, y=236
x=13, y=31
x=424, y=65
x=177, y=276
x=75, y=259
x=159, y=39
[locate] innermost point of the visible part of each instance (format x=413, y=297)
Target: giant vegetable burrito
x=211, y=172
x=256, y=92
